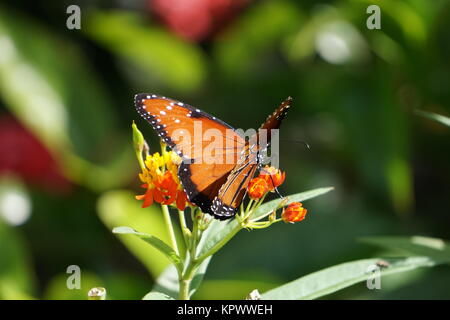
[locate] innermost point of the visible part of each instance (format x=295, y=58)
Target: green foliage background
x=74, y=90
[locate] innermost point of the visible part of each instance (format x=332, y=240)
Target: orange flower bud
x=257, y=188
x=273, y=176
x=294, y=213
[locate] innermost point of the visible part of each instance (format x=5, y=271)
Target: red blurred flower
x=294, y=213
x=273, y=176
x=195, y=20
x=257, y=188
x=24, y=155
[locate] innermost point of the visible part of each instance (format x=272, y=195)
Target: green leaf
x=198, y=277
x=116, y=208
x=155, y=242
x=267, y=208
x=167, y=282
x=157, y=296
x=215, y=232
x=434, y=116
x=243, y=46
x=17, y=278
x=416, y=245
x=154, y=52
x=341, y=276
x=218, y=230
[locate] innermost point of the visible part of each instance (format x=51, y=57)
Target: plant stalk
x=170, y=229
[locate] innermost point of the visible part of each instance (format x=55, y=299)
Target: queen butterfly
x=217, y=187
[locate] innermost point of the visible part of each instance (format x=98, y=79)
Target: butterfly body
x=215, y=181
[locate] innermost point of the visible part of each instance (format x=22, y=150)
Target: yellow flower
x=160, y=178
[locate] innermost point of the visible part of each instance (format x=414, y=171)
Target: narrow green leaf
x=155, y=242
x=174, y=62
x=267, y=208
x=416, y=245
x=119, y=208
x=153, y=295
x=220, y=229
x=217, y=231
x=434, y=116
x=198, y=277
x=341, y=276
x=243, y=46
x=17, y=279
x=167, y=282
x=214, y=234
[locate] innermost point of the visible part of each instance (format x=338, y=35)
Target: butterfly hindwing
x=230, y=196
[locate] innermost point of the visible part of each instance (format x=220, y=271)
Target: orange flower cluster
x=161, y=180
x=269, y=178
x=294, y=213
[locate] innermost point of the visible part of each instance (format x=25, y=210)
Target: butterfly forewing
x=209, y=147
x=191, y=132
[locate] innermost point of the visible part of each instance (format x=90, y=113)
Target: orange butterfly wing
x=216, y=181
x=182, y=127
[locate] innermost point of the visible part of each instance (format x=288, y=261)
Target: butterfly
x=217, y=187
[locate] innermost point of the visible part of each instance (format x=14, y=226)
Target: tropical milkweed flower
x=294, y=212
x=257, y=188
x=160, y=178
x=273, y=176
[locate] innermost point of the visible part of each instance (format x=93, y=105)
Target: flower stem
x=184, y=289
x=170, y=230
x=194, y=237
x=184, y=227
x=192, y=264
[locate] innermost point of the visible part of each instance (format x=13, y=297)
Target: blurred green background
x=68, y=173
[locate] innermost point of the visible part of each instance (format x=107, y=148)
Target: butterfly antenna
x=300, y=142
